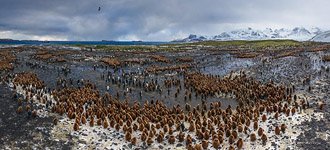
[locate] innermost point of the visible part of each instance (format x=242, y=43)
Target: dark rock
x=130, y=145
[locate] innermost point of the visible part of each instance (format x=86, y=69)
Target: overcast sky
x=152, y=20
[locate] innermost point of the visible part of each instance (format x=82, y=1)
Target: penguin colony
x=213, y=126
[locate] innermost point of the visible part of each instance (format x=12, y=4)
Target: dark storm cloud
x=151, y=19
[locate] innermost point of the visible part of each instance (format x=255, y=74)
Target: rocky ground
x=22, y=131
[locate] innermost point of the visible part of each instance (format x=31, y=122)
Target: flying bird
x=99, y=9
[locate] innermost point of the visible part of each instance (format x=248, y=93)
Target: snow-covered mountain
x=298, y=33
x=192, y=38
x=322, y=37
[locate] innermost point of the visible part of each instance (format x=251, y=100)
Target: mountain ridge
x=323, y=37
x=297, y=33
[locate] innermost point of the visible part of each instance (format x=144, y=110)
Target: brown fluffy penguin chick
x=198, y=147
x=239, y=143
x=170, y=131
x=215, y=143
x=188, y=139
x=283, y=127
x=264, y=138
x=220, y=138
x=158, y=125
x=277, y=130
x=321, y=105
x=264, y=118
x=240, y=128
x=112, y=123
x=99, y=122
x=253, y=137
x=293, y=111
x=28, y=107
x=276, y=115
x=133, y=141
x=91, y=122
x=231, y=139
x=141, y=127
x=228, y=133
x=83, y=120
x=181, y=136
x=192, y=127
x=231, y=147
x=171, y=139
x=205, y=144
x=117, y=127
x=255, y=125
x=190, y=147
x=128, y=136
x=151, y=134
x=135, y=126
x=260, y=131
x=105, y=123
x=160, y=138
x=165, y=129
x=206, y=135
x=149, y=141
x=143, y=137
x=55, y=121
x=20, y=102
x=19, y=110
x=34, y=113
x=235, y=134
x=76, y=127
x=287, y=112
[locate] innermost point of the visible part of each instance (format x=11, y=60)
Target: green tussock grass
x=236, y=44
x=258, y=44
x=143, y=48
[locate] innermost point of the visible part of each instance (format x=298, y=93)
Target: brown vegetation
x=185, y=59
x=114, y=62
x=247, y=55
x=160, y=58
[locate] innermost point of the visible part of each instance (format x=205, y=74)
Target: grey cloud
x=153, y=19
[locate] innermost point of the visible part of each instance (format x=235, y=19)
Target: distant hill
x=297, y=33
x=5, y=40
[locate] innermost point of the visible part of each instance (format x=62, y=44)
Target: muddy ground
x=21, y=131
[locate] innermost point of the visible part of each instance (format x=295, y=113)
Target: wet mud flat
x=60, y=68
